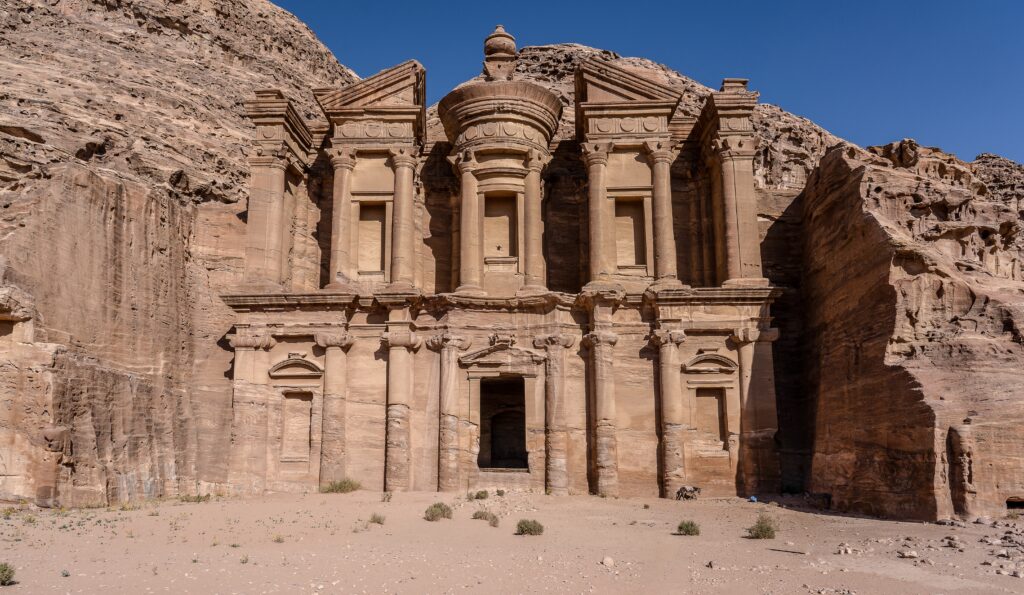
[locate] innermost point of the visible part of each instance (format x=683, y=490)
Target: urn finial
x=499, y=55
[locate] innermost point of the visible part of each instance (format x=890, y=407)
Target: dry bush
x=529, y=527
x=438, y=511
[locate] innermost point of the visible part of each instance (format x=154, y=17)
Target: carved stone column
x=396, y=449
x=673, y=413
x=343, y=160
x=556, y=472
x=758, y=463
x=534, y=224
x=470, y=259
x=263, y=240
x=660, y=158
x=332, y=449
x=448, y=427
x=596, y=157
x=403, y=259
x=602, y=344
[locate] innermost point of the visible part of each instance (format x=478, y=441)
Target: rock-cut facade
x=504, y=295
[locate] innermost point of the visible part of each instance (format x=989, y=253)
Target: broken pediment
x=398, y=86
x=606, y=82
x=709, y=363
x=296, y=366
x=616, y=104
x=501, y=354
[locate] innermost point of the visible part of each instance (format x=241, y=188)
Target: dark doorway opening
x=502, y=424
x=1015, y=503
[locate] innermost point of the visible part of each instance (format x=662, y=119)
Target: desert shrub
x=529, y=527
x=485, y=515
x=342, y=486
x=481, y=495
x=438, y=511
x=195, y=499
x=763, y=528
x=688, y=528
x=377, y=519
x=6, y=574
x=500, y=492
x=279, y=539
x=385, y=497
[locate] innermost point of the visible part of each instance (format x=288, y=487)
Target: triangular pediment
x=398, y=86
x=501, y=354
x=605, y=82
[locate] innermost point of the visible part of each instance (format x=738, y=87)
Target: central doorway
x=502, y=424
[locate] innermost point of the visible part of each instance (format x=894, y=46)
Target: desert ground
x=325, y=543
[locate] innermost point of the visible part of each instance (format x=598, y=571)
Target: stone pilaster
x=602, y=344
x=470, y=257
x=247, y=467
x=332, y=449
x=674, y=418
x=601, y=263
x=556, y=472
x=449, y=346
x=401, y=343
x=758, y=463
x=660, y=157
x=343, y=160
x=263, y=245
x=403, y=249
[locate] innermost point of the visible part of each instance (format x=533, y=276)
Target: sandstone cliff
x=123, y=180
x=913, y=286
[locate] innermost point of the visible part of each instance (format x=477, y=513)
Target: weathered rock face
x=123, y=180
x=913, y=285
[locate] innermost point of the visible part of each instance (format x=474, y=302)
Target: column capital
x=446, y=339
x=250, y=340
x=341, y=339
x=342, y=158
x=596, y=153
x=272, y=154
x=727, y=147
x=664, y=336
x=402, y=338
x=537, y=160
x=463, y=161
x=554, y=340
x=660, y=152
x=742, y=336
x=600, y=338
x=404, y=157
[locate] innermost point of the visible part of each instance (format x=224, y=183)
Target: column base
x=667, y=283
x=747, y=282
x=530, y=290
x=340, y=286
x=470, y=291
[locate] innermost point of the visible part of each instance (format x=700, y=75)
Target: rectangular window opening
x=630, y=243
x=372, y=218
x=501, y=233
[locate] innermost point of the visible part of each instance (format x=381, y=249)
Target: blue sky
x=947, y=74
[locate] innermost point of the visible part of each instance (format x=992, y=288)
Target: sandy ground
x=323, y=543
